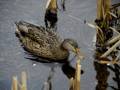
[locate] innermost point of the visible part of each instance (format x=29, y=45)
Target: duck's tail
x=21, y=23
x=16, y=23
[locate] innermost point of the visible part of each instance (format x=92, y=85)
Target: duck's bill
x=75, y=50
x=78, y=53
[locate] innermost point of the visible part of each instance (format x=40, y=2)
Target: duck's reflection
x=48, y=84
x=69, y=71
x=102, y=72
x=66, y=67
x=101, y=75
x=116, y=69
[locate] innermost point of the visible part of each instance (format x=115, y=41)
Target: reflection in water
x=51, y=17
x=63, y=4
x=69, y=71
x=102, y=72
x=66, y=68
x=116, y=69
x=48, y=84
x=101, y=76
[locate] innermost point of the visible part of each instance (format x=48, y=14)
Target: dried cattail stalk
x=72, y=87
x=77, y=75
x=111, y=49
x=24, y=81
x=14, y=83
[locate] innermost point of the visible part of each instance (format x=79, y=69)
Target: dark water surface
x=12, y=56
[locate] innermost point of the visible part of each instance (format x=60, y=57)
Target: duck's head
x=70, y=45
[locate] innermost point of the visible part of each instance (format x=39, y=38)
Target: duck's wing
x=38, y=33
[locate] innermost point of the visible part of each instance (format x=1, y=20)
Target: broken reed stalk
x=46, y=86
x=106, y=9
x=72, y=87
x=103, y=7
x=75, y=82
x=115, y=5
x=99, y=9
x=115, y=39
x=114, y=30
x=14, y=83
x=24, y=81
x=111, y=49
x=77, y=75
x=99, y=15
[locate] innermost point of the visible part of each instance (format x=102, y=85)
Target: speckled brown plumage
x=40, y=41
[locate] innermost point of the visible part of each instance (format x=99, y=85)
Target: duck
x=43, y=42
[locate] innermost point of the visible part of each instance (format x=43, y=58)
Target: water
x=12, y=56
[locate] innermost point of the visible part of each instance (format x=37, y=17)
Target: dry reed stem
x=72, y=87
x=107, y=8
x=75, y=82
x=46, y=86
x=99, y=9
x=52, y=4
x=99, y=16
x=103, y=7
x=115, y=5
x=14, y=83
x=114, y=30
x=115, y=39
x=24, y=81
x=111, y=49
x=109, y=62
x=77, y=75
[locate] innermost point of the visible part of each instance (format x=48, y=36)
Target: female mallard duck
x=44, y=42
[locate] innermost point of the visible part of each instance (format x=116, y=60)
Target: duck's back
x=41, y=42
